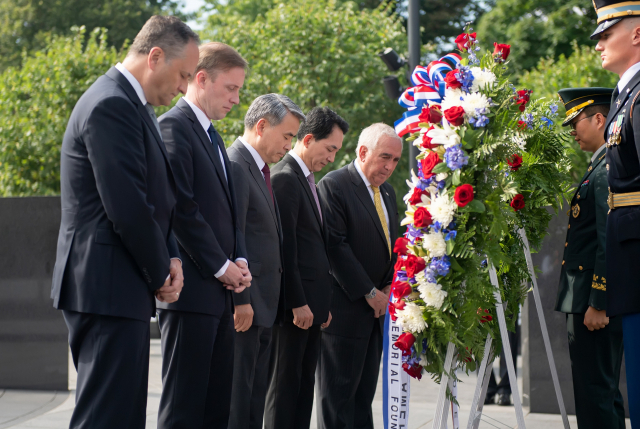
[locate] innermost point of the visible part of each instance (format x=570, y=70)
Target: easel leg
x=481, y=386
x=442, y=406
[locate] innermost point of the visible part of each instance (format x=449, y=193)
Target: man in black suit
x=308, y=279
x=269, y=126
x=361, y=217
x=115, y=248
x=197, y=331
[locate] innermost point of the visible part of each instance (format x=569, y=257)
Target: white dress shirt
x=254, y=153
x=598, y=152
x=206, y=123
x=366, y=182
x=303, y=166
x=627, y=76
x=138, y=89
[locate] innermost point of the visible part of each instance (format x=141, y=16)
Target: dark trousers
x=346, y=379
x=250, y=378
x=631, y=328
x=197, y=369
x=294, y=357
x=505, y=386
x=111, y=355
x=596, y=357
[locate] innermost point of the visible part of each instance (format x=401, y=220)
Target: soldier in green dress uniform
x=595, y=341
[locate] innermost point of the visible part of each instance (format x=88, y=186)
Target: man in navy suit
x=198, y=330
x=116, y=250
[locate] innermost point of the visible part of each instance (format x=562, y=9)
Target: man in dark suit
x=197, y=331
x=308, y=280
x=618, y=35
x=269, y=126
x=115, y=247
x=361, y=218
x=595, y=340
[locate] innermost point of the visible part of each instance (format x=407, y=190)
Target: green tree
x=537, y=29
x=36, y=101
x=582, y=68
x=27, y=24
x=319, y=53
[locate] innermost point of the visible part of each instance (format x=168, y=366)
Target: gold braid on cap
x=578, y=107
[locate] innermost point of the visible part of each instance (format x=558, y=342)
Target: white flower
x=442, y=209
x=441, y=176
x=432, y=294
x=481, y=79
x=410, y=317
x=452, y=98
x=474, y=102
x=520, y=141
x=434, y=243
x=446, y=136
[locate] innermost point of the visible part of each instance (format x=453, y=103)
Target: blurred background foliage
x=319, y=53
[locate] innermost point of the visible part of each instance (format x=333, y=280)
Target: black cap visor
x=603, y=26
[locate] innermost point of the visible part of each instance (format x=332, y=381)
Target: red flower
x=518, y=202
x=401, y=246
x=463, y=195
x=468, y=358
x=465, y=40
x=404, y=342
x=431, y=114
x=455, y=115
x=486, y=318
x=414, y=265
x=522, y=98
x=514, y=161
x=451, y=80
x=426, y=141
x=501, y=49
x=522, y=125
x=393, y=306
x=422, y=218
x=399, y=264
x=416, y=197
x=430, y=161
x=400, y=289
x=414, y=371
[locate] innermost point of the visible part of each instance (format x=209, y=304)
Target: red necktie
x=267, y=178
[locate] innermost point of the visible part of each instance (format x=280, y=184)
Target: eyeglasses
x=574, y=124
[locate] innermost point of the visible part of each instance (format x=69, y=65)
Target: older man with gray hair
x=361, y=217
x=270, y=124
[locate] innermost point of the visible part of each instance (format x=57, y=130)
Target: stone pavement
x=52, y=410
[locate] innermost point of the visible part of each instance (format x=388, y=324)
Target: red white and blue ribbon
x=428, y=88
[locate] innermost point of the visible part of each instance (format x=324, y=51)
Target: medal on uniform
x=615, y=129
x=575, y=210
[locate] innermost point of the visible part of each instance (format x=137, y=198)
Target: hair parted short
x=273, y=108
x=603, y=109
x=370, y=136
x=216, y=57
x=320, y=123
x=167, y=33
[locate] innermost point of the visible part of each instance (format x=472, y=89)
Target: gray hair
x=370, y=136
x=273, y=108
x=167, y=33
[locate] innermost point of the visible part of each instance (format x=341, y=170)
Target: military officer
x=595, y=341
x=618, y=36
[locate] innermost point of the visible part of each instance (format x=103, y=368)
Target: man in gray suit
x=269, y=126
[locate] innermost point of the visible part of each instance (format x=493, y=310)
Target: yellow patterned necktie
x=378, y=203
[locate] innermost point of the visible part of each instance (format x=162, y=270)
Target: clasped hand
x=237, y=277
x=379, y=303
x=170, y=291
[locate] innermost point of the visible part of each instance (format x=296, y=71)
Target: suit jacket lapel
x=388, y=203
x=305, y=185
x=363, y=194
x=258, y=177
x=119, y=78
x=209, y=146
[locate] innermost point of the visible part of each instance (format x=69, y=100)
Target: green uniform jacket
x=582, y=280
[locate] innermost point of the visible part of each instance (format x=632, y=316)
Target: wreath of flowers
x=490, y=163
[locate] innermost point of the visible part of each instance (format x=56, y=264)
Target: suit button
x=580, y=268
x=562, y=262
x=566, y=244
x=569, y=227
x=330, y=272
x=280, y=269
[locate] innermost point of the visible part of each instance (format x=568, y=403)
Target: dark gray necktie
x=312, y=184
x=152, y=113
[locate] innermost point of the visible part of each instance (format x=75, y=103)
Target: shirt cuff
x=222, y=270
x=243, y=260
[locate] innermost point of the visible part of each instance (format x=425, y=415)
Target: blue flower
x=450, y=235
x=483, y=264
x=465, y=77
x=440, y=265
x=414, y=232
x=402, y=276
x=527, y=118
x=436, y=226
x=452, y=225
x=547, y=122
x=455, y=157
x=473, y=60
x=479, y=122
x=553, y=108
x=429, y=275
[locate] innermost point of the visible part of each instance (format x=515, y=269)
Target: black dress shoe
x=490, y=399
x=504, y=399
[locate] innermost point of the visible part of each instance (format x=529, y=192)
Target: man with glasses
x=595, y=341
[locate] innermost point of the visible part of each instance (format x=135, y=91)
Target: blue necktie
x=213, y=135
